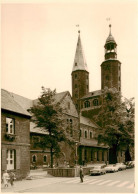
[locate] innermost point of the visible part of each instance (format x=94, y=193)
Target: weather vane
x=108, y=20
x=78, y=26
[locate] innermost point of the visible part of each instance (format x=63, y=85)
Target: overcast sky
x=39, y=42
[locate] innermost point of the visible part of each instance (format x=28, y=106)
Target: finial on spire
x=78, y=28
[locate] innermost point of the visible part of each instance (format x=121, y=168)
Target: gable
x=68, y=105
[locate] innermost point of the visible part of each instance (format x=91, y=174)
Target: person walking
x=81, y=174
x=5, y=178
x=12, y=178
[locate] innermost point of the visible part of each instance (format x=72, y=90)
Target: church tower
x=111, y=67
x=80, y=74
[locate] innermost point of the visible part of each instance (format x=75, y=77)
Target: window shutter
x=18, y=158
x=4, y=159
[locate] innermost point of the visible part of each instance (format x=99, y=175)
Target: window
x=95, y=102
x=34, y=158
x=119, y=68
x=45, y=158
x=75, y=76
x=86, y=104
x=107, y=77
x=76, y=86
x=87, y=86
x=90, y=135
x=10, y=126
x=75, y=64
x=85, y=134
x=119, y=78
x=119, y=88
x=11, y=154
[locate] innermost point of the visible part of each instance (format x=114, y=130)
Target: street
x=119, y=182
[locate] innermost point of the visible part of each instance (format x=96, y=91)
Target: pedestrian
x=5, y=178
x=81, y=174
x=12, y=178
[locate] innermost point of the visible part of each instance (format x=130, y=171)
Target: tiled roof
x=88, y=122
x=58, y=97
x=9, y=103
x=35, y=129
x=92, y=94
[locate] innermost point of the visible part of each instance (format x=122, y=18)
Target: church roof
x=8, y=102
x=79, y=60
x=92, y=94
x=88, y=122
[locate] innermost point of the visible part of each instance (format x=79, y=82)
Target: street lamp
x=76, y=152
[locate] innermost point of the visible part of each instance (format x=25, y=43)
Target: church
x=88, y=103
x=77, y=118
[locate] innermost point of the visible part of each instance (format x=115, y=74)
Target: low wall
x=67, y=172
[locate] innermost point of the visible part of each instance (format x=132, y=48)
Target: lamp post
x=76, y=152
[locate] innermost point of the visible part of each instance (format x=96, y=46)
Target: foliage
x=48, y=116
x=116, y=119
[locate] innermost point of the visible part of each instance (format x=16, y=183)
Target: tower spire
x=79, y=59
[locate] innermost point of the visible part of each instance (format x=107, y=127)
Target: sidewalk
x=35, y=179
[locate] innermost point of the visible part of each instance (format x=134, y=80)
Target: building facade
x=15, y=137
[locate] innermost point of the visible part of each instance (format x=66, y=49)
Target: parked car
x=97, y=170
x=130, y=164
x=121, y=166
x=111, y=168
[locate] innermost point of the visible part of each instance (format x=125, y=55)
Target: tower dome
x=110, y=38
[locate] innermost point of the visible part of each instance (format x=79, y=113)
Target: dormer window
x=75, y=64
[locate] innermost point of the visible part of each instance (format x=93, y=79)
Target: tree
x=48, y=116
x=116, y=121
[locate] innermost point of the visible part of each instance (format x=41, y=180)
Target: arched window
x=45, y=158
x=95, y=102
x=85, y=134
x=90, y=135
x=34, y=158
x=86, y=104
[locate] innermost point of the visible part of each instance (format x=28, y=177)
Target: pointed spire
x=79, y=60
